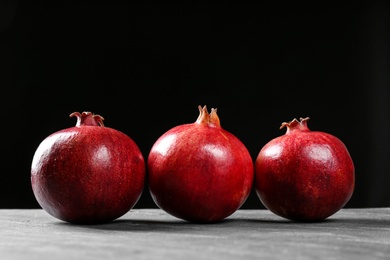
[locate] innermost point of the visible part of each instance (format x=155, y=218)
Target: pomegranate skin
x=88, y=173
x=200, y=172
x=304, y=175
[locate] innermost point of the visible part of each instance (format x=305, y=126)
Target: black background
x=146, y=66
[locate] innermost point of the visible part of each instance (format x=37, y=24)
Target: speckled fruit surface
x=304, y=175
x=88, y=173
x=200, y=172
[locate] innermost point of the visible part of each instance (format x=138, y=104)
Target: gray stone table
x=153, y=234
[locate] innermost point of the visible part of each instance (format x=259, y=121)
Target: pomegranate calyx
x=205, y=117
x=87, y=119
x=295, y=125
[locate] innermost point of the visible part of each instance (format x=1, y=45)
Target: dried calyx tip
x=205, y=116
x=214, y=119
x=204, y=108
x=302, y=124
x=88, y=118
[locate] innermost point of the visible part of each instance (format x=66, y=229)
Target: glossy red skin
x=304, y=175
x=199, y=173
x=88, y=174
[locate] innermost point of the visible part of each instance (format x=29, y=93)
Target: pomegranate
x=88, y=173
x=304, y=175
x=200, y=172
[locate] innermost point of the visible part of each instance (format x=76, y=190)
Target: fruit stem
x=88, y=119
x=204, y=117
x=295, y=125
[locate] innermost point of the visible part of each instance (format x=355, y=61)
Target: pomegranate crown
x=87, y=118
x=296, y=125
x=208, y=118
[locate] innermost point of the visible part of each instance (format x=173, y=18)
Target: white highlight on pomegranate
x=163, y=147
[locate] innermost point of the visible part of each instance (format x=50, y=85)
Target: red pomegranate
x=304, y=175
x=200, y=172
x=88, y=173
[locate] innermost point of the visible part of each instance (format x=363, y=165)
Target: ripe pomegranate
x=200, y=172
x=304, y=175
x=88, y=173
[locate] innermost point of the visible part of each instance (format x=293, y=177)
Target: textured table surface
x=153, y=234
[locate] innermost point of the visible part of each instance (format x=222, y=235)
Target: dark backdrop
x=146, y=66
